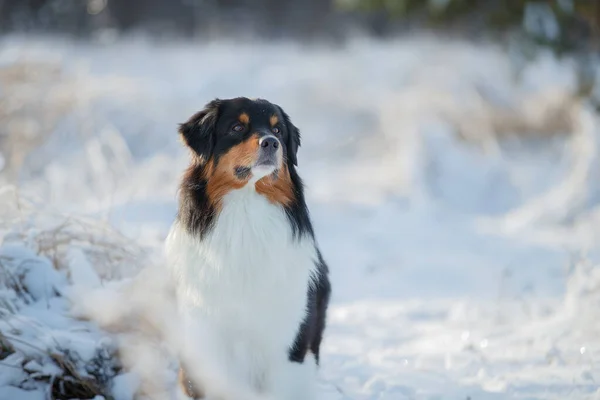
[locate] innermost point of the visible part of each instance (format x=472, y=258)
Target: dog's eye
x=275, y=130
x=237, y=128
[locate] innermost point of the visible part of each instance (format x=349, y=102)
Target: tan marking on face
x=279, y=189
x=244, y=118
x=221, y=177
x=273, y=120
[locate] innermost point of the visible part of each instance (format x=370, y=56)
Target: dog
x=246, y=264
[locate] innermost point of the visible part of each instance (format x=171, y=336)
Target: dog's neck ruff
x=249, y=250
x=250, y=226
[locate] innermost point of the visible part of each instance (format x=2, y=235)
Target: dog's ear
x=198, y=132
x=293, y=140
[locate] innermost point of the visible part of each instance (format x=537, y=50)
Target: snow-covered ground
x=463, y=266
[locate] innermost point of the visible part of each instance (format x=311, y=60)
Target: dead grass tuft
x=33, y=98
x=73, y=385
x=6, y=348
x=109, y=254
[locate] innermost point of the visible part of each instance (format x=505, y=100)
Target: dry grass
x=6, y=347
x=71, y=384
x=34, y=97
x=110, y=254
x=75, y=379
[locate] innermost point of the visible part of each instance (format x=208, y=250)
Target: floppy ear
x=293, y=141
x=198, y=133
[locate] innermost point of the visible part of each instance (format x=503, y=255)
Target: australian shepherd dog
x=247, y=268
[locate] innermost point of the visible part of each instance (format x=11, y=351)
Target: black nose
x=269, y=143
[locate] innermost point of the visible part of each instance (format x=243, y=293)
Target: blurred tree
x=274, y=18
x=42, y=15
x=562, y=24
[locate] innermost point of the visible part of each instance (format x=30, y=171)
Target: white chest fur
x=247, y=279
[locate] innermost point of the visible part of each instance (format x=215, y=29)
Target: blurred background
x=451, y=157
x=563, y=24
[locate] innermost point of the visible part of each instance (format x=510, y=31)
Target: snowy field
x=454, y=191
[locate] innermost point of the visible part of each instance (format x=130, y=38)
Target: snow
x=463, y=257
x=82, y=272
x=11, y=393
x=125, y=385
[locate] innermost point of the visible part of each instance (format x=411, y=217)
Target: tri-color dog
x=243, y=252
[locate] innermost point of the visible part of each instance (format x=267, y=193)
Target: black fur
x=311, y=331
x=293, y=141
x=206, y=133
x=198, y=131
x=243, y=172
x=195, y=211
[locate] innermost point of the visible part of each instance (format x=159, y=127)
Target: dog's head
x=242, y=141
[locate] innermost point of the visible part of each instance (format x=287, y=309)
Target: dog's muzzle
x=268, y=152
